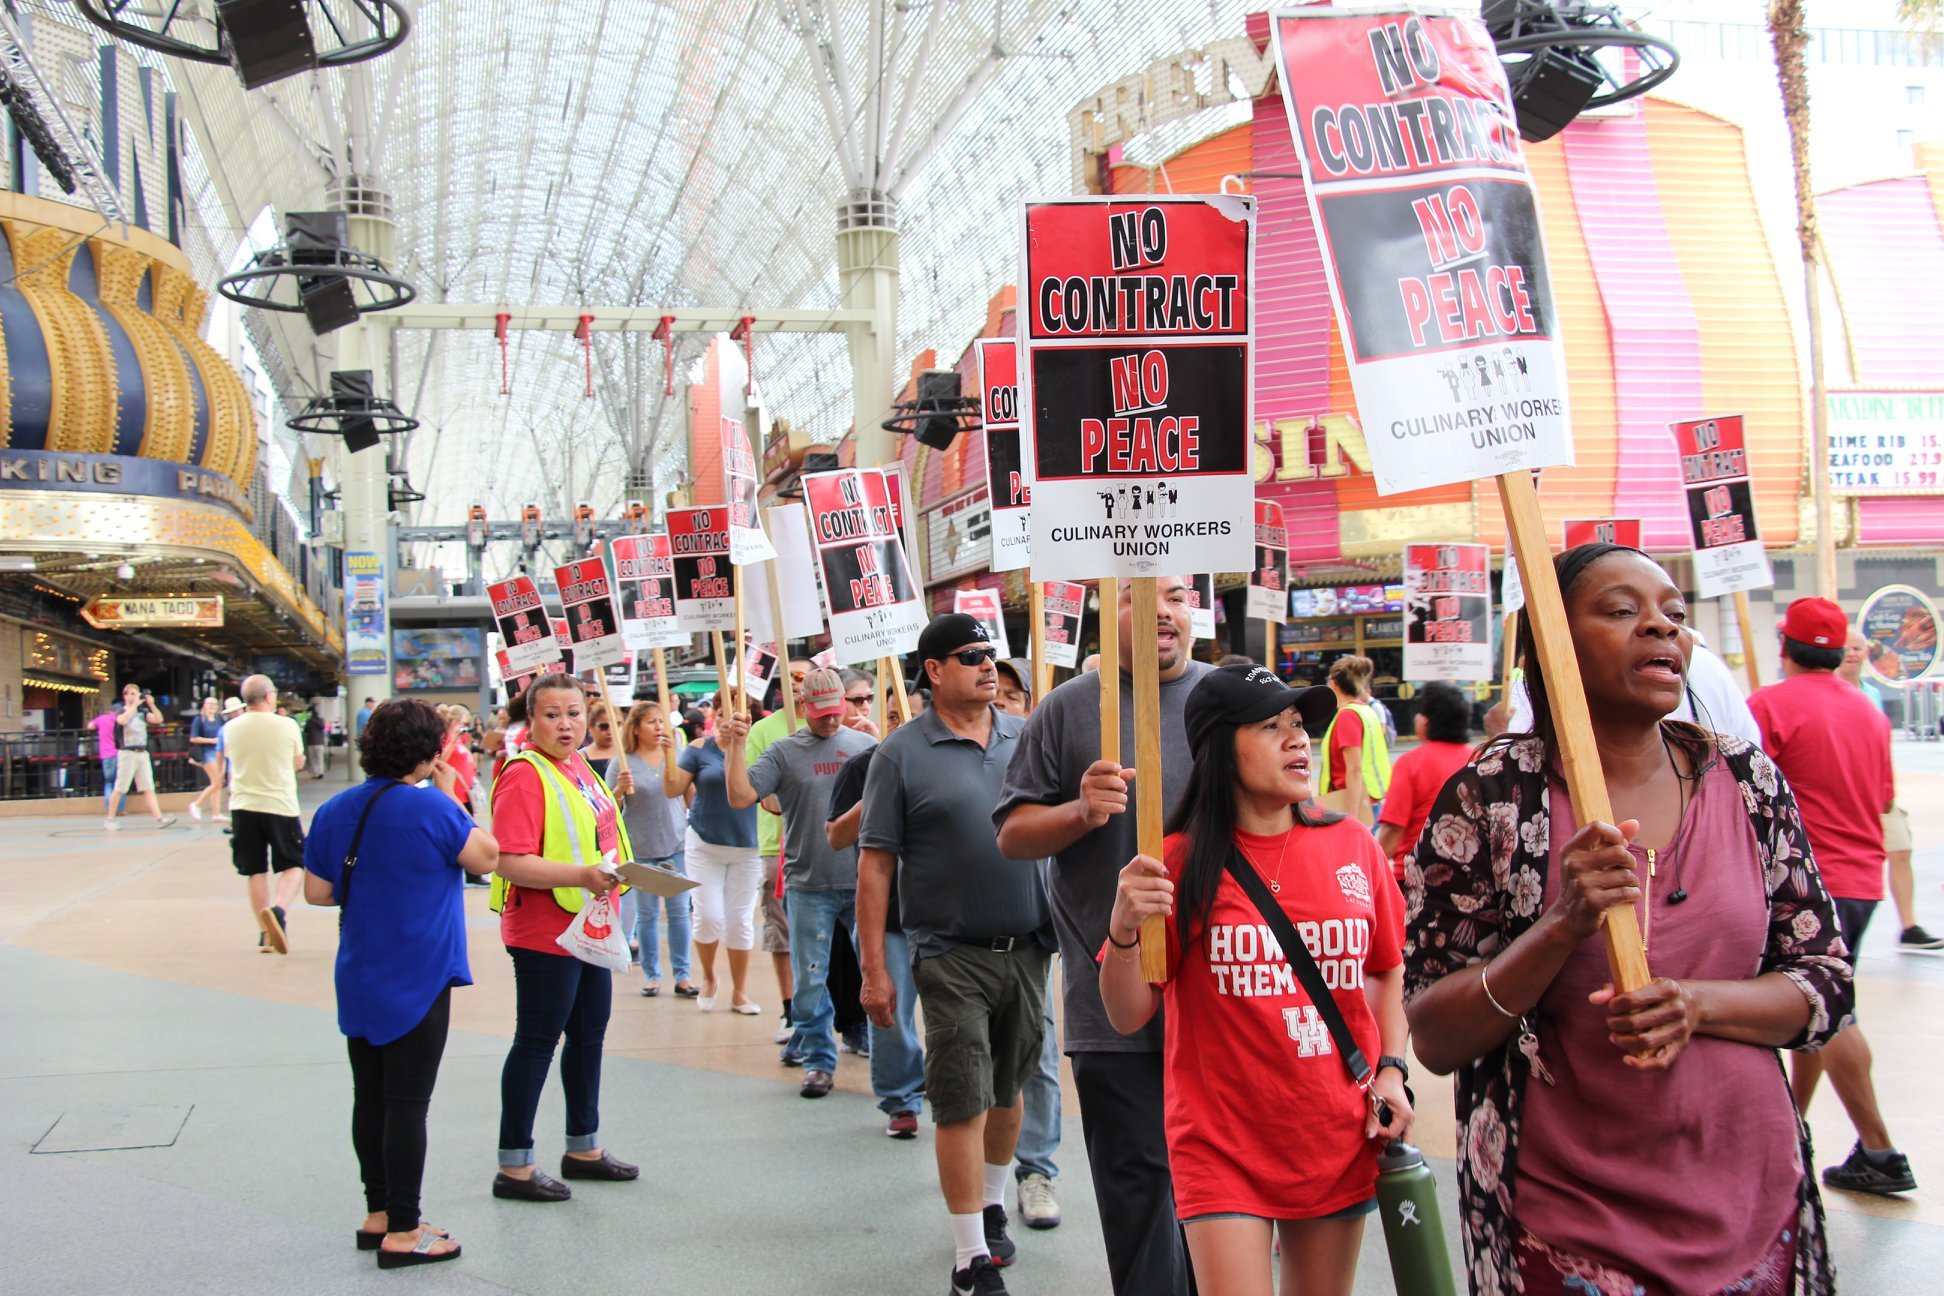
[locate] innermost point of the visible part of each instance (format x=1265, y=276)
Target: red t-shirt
x=530, y=918
x=1834, y=748
x=1347, y=732
x=1262, y=1116
x=458, y=754
x=1417, y=778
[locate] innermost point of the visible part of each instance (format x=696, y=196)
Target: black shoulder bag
x=351, y=852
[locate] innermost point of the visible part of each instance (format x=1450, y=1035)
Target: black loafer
x=542, y=1187
x=605, y=1167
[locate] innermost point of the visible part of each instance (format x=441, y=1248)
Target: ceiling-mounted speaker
x=266, y=40
x=353, y=390
x=328, y=301
x=319, y=239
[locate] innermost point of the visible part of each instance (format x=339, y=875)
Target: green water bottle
x=1407, y=1198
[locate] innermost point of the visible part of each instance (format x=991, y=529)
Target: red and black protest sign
x=1063, y=605
x=698, y=541
x=1136, y=328
x=523, y=624
x=1007, y=474
x=1447, y=612
x=1582, y=531
x=1431, y=241
x=1728, y=553
x=1269, y=578
x=592, y=616
x=644, y=574
x=874, y=605
x=740, y=481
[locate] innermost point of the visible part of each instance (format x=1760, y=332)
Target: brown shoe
x=604, y=1166
x=541, y=1187
x=273, y=930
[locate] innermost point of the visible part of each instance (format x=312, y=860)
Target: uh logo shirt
x=1262, y=1115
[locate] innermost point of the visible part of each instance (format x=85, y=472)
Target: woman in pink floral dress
x=1645, y=1143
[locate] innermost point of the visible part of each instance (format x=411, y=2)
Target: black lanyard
x=351, y=852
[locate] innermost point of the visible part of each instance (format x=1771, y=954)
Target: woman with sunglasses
x=656, y=822
x=1582, y=1113
x=1268, y=1132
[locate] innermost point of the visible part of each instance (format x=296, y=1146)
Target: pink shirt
x=1682, y=1176
x=104, y=727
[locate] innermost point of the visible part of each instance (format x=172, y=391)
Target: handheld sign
x=1447, y=612
x=1269, y=578
x=1728, y=553
x=740, y=478
x=894, y=482
x=1006, y=470
x=564, y=643
x=588, y=599
x=698, y=539
x=1064, y=604
x=983, y=606
x=1575, y=532
x=1201, y=605
x=1136, y=326
x=1429, y=229
x=795, y=575
x=756, y=667
x=523, y=624
x=644, y=573
x=515, y=684
x=875, y=606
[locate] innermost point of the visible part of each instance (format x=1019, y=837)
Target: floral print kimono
x=1476, y=881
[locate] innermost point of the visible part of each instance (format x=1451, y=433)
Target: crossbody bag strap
x=351, y=852
x=1301, y=963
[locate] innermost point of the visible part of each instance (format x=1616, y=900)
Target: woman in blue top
x=401, y=949
x=720, y=851
x=207, y=756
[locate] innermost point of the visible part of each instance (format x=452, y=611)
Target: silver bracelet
x=1491, y=998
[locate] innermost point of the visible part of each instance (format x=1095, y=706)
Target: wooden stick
x=723, y=697
x=1747, y=624
x=740, y=682
x=1036, y=609
x=904, y=699
x=782, y=644
x=1579, y=758
x=1509, y=649
x=883, y=684
x=1147, y=762
x=1110, y=716
x=661, y=684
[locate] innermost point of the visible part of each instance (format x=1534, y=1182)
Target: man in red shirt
x=1834, y=749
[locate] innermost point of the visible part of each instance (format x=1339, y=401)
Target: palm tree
x=1789, y=35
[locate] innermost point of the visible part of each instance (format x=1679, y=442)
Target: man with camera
x=133, y=767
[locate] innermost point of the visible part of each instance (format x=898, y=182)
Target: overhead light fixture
x=1550, y=49
x=16, y=562
x=125, y=572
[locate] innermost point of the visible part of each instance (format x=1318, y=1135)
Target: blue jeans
x=814, y=916
x=554, y=994
x=897, y=1055
x=647, y=926
x=1039, y=1130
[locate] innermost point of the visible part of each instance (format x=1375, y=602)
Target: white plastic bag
x=594, y=936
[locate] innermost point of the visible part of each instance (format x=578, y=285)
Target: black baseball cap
x=1242, y=694
x=947, y=633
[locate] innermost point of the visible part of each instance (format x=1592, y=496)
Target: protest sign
x=1582, y=531
x=825, y=660
x=1511, y=587
x=1006, y=470
x=644, y=574
x=875, y=607
x=1430, y=237
x=564, y=642
x=1269, y=578
x=587, y=596
x=983, y=606
x=698, y=540
x=901, y=514
x=1447, y=612
x=795, y=578
x=619, y=678
x=1136, y=328
x=1065, y=603
x=1201, y=606
x=740, y=479
x=756, y=665
x=515, y=683
x=1728, y=553
x=523, y=624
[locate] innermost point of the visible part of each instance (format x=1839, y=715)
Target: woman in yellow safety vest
x=556, y=821
x=1354, y=743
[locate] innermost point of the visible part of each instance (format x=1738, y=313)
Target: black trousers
x=845, y=982
x=1127, y=1149
x=554, y=995
x=391, y=1091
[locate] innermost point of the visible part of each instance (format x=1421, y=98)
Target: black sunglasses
x=862, y=699
x=975, y=656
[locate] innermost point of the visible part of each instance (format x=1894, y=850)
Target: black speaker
x=316, y=237
x=267, y=40
x=353, y=390
x=328, y=301
x=360, y=434
x=938, y=389
x=1550, y=89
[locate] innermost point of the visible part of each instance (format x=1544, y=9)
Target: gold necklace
x=1282, y=858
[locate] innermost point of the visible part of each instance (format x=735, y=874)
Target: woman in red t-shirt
x=554, y=992
x=457, y=753
x=1267, y=1131
x=1444, y=736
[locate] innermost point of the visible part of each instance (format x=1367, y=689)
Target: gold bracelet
x=1491, y=998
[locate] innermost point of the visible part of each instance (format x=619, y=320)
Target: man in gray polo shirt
x=1062, y=800
x=799, y=770
x=979, y=929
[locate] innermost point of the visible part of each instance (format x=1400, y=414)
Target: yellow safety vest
x=1376, y=753
x=571, y=835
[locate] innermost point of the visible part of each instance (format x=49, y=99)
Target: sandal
x=372, y=1239
x=421, y=1252
x=650, y=991
x=686, y=990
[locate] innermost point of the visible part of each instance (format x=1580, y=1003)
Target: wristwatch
x=1403, y=1071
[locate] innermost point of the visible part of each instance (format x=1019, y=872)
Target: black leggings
x=391, y=1088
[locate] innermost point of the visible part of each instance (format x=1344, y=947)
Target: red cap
x=1815, y=621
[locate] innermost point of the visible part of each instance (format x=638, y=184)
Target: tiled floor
x=134, y=994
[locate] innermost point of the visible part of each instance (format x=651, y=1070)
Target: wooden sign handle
x=724, y=699
x=1110, y=716
x=782, y=644
x=1579, y=758
x=1036, y=609
x=897, y=678
x=740, y=682
x=661, y=686
x=1509, y=654
x=1746, y=623
x=1148, y=792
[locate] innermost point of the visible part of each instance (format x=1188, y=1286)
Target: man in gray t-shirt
x=1060, y=799
x=799, y=771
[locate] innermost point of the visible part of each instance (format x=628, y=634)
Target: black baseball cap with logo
x=1242, y=694
x=947, y=633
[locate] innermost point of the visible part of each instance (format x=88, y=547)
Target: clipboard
x=653, y=879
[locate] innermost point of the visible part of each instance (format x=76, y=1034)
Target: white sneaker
x=220, y=818
x=1037, y=1204
x=195, y=811
x=783, y=1034
x=112, y=826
